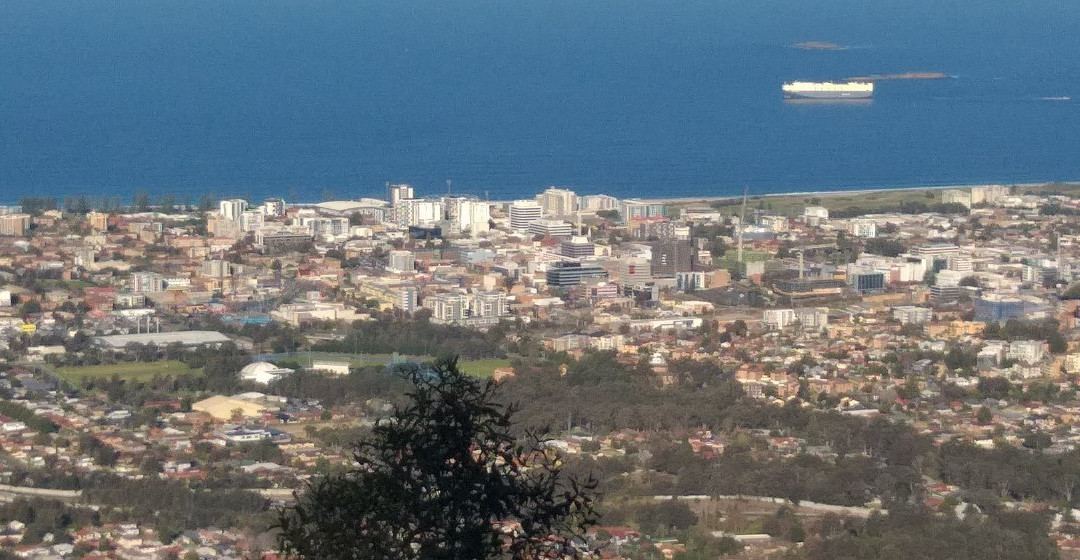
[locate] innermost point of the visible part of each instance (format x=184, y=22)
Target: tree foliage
x=175, y=504
x=914, y=532
x=19, y=412
x=1017, y=329
x=437, y=481
x=418, y=337
x=37, y=204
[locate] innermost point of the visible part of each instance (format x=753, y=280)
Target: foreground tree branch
x=443, y=479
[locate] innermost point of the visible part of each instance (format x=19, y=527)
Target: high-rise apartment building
x=399, y=193
x=467, y=216
x=147, y=283
x=232, y=209
x=633, y=209
x=558, y=202
x=417, y=212
x=482, y=308
x=401, y=261
x=14, y=224
x=597, y=202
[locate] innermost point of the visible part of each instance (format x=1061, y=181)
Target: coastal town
x=173, y=372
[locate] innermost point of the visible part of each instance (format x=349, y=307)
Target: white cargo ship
x=828, y=90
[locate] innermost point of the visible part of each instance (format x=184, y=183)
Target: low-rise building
x=298, y=313
x=912, y=314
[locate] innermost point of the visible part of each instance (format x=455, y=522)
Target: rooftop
x=187, y=338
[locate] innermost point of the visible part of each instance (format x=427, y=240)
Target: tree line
x=19, y=412
x=394, y=332
x=176, y=506
x=141, y=201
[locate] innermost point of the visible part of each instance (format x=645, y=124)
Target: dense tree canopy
x=913, y=532
x=438, y=481
x=393, y=332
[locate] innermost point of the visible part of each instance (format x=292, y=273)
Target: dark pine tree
x=443, y=479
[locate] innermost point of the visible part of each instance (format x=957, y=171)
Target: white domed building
x=263, y=373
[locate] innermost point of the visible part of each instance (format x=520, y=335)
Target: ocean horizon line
x=186, y=197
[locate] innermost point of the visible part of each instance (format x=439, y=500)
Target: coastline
x=1071, y=184
x=858, y=191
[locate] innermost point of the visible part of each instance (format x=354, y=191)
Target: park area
x=145, y=371
x=131, y=371
x=481, y=368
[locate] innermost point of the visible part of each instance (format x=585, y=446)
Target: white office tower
x=232, y=209
x=634, y=271
x=949, y=277
x=961, y=262
x=523, y=213
x=401, y=261
x=558, y=202
x=550, y=228
x=399, y=193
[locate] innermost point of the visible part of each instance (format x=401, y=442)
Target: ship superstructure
x=828, y=90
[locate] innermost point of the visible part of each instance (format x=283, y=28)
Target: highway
x=10, y=493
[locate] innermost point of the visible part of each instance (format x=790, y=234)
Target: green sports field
x=477, y=368
x=135, y=371
x=483, y=368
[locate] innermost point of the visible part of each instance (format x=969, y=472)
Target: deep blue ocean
x=654, y=98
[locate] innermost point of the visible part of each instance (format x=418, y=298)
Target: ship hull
x=832, y=95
